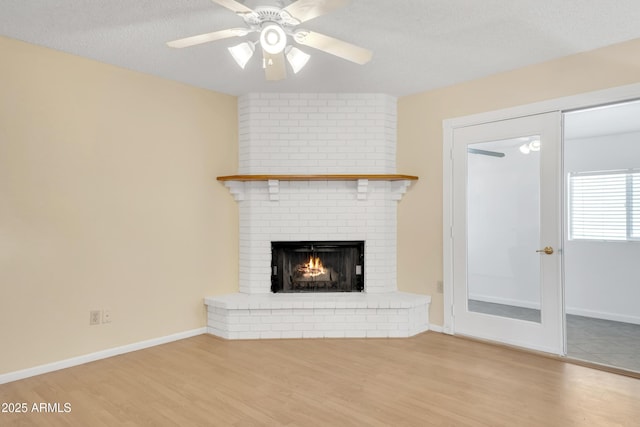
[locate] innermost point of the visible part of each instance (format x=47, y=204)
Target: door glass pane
x=503, y=228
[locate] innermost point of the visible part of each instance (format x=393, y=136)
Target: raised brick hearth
x=361, y=315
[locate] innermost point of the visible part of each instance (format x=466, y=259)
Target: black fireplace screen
x=324, y=266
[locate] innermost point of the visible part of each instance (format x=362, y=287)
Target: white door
x=506, y=233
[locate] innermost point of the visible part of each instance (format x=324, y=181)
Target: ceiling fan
x=275, y=24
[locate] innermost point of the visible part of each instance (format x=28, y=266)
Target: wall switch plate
x=94, y=317
x=106, y=316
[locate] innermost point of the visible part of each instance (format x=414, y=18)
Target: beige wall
x=420, y=144
x=108, y=199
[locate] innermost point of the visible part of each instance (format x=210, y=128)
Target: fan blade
x=305, y=10
x=336, y=47
x=233, y=6
x=208, y=37
x=274, y=66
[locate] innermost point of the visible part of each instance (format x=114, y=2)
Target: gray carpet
x=594, y=340
x=604, y=341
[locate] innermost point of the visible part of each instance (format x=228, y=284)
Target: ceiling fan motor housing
x=273, y=15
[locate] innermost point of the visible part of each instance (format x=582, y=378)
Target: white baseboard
x=103, y=354
x=436, y=328
x=505, y=301
x=603, y=315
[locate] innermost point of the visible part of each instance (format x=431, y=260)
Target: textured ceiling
x=418, y=45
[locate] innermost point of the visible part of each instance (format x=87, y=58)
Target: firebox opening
x=317, y=266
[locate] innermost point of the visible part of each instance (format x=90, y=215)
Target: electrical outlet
x=439, y=286
x=94, y=317
x=106, y=316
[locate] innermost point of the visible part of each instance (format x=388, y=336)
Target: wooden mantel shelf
x=329, y=177
x=236, y=183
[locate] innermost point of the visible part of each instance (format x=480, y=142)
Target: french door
x=506, y=234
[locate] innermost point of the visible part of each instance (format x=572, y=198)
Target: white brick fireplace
x=317, y=134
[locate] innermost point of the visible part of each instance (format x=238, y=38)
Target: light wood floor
x=431, y=379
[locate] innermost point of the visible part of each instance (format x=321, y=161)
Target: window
x=604, y=205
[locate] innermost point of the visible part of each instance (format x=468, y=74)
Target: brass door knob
x=547, y=250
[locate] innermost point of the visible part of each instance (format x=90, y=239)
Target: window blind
x=634, y=204
x=604, y=205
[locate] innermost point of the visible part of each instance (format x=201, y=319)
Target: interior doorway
x=454, y=197
x=602, y=234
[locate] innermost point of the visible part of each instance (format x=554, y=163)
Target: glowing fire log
x=313, y=268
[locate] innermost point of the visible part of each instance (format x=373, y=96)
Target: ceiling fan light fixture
x=273, y=39
x=242, y=53
x=297, y=58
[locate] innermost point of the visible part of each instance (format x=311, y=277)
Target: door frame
x=563, y=104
